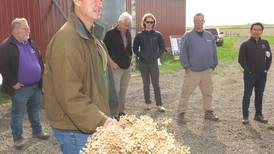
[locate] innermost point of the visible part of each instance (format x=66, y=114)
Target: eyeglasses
x=257, y=30
x=150, y=22
x=25, y=28
x=199, y=20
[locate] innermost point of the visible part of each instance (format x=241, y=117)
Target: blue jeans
x=26, y=98
x=257, y=81
x=71, y=142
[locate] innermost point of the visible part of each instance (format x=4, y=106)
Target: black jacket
x=255, y=56
x=148, y=46
x=9, y=61
x=118, y=53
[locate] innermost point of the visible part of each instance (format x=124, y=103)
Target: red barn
x=170, y=15
x=45, y=17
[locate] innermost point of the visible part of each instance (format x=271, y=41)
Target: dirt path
x=204, y=137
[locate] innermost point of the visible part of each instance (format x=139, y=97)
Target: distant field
x=242, y=26
x=268, y=31
x=241, y=30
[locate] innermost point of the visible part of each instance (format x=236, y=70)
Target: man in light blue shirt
x=198, y=55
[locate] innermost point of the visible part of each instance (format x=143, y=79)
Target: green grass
x=170, y=66
x=3, y=98
x=270, y=39
x=228, y=53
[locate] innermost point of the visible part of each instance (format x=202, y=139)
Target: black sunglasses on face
x=150, y=22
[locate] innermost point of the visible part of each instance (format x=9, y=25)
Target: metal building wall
x=170, y=15
x=43, y=16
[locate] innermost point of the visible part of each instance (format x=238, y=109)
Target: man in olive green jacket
x=76, y=79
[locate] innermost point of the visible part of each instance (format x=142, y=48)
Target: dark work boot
x=260, y=118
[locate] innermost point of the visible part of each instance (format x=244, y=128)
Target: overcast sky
x=231, y=12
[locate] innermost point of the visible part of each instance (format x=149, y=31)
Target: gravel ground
x=227, y=136
x=206, y=137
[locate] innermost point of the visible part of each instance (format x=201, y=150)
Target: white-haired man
x=118, y=42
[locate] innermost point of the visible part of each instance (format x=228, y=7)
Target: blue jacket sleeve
x=268, y=57
x=184, y=52
x=161, y=44
x=136, y=44
x=215, y=56
x=242, y=58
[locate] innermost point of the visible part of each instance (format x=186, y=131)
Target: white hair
x=17, y=22
x=125, y=17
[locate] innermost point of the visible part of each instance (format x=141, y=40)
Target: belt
x=30, y=85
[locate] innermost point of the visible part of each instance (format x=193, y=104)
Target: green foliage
x=3, y=98
x=170, y=66
x=167, y=56
x=169, y=63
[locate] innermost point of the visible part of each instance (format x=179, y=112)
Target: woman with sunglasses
x=148, y=45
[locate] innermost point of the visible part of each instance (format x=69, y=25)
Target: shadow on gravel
x=4, y=125
x=203, y=143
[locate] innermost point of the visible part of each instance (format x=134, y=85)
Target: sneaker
x=181, y=118
x=245, y=120
x=209, y=115
x=148, y=106
x=261, y=119
x=20, y=144
x=161, y=109
x=42, y=136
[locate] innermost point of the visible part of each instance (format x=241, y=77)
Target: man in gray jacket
x=199, y=58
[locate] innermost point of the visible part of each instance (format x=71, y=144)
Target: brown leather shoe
x=42, y=136
x=209, y=115
x=20, y=144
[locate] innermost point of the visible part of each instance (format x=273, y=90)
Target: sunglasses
x=150, y=22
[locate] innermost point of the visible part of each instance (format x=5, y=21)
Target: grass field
x=270, y=39
x=241, y=26
x=228, y=53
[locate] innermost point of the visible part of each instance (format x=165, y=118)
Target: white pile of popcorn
x=134, y=136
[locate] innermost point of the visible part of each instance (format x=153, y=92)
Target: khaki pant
x=121, y=80
x=191, y=81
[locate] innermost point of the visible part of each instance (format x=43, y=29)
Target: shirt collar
x=199, y=33
x=81, y=29
x=253, y=39
x=14, y=41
